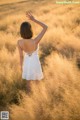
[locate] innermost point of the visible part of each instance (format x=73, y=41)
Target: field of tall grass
x=57, y=96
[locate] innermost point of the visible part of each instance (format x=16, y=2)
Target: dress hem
x=32, y=79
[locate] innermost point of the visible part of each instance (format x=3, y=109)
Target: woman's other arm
x=20, y=53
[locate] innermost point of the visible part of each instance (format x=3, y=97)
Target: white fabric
x=32, y=67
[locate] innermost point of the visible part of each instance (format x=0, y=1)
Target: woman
x=30, y=64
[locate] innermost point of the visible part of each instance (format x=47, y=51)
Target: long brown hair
x=26, y=30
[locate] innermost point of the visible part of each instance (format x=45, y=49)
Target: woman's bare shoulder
x=22, y=41
x=19, y=41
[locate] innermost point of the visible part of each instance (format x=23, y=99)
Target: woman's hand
x=30, y=16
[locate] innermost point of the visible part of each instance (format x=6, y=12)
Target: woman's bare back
x=28, y=46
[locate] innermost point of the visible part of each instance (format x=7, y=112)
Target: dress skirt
x=32, y=69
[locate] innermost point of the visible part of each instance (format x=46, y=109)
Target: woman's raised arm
x=44, y=26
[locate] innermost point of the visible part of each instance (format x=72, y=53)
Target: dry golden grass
x=2, y=2
x=57, y=96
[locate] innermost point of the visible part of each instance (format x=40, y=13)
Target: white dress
x=31, y=69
